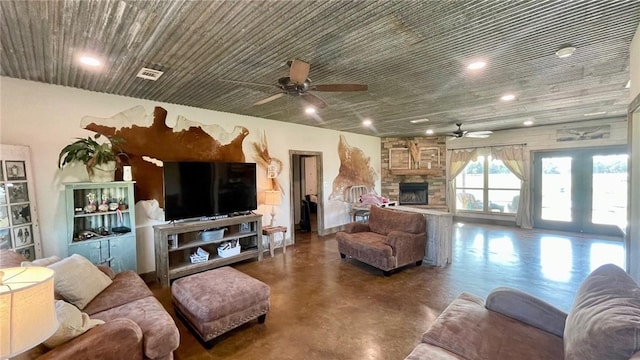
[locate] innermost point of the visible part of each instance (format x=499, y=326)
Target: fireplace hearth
x=414, y=194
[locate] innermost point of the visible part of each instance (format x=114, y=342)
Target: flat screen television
x=208, y=189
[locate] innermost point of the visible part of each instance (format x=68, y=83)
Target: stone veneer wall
x=436, y=177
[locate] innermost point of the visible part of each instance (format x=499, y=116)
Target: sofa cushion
x=71, y=323
x=604, y=322
x=10, y=258
x=161, y=336
x=127, y=286
x=41, y=262
x=383, y=221
x=467, y=329
x=78, y=280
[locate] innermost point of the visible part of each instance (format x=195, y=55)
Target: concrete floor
x=323, y=307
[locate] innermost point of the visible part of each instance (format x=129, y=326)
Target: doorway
x=306, y=192
x=581, y=190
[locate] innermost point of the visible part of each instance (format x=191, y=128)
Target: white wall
x=633, y=250
x=47, y=117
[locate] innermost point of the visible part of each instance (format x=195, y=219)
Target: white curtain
x=458, y=160
x=515, y=159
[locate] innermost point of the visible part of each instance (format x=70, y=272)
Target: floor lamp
x=27, y=309
x=272, y=197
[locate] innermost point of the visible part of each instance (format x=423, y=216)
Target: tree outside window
x=486, y=185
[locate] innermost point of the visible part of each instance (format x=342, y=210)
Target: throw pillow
x=604, y=322
x=71, y=323
x=41, y=262
x=78, y=280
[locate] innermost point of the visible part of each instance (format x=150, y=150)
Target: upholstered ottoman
x=218, y=300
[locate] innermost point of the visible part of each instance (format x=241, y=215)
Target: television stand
x=176, y=242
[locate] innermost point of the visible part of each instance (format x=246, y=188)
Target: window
x=486, y=185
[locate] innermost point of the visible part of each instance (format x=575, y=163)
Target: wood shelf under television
x=172, y=263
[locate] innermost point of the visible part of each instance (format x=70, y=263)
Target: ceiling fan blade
x=269, y=99
x=247, y=83
x=478, y=136
x=314, y=100
x=299, y=71
x=487, y=132
x=340, y=87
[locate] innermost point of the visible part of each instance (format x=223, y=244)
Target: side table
x=271, y=231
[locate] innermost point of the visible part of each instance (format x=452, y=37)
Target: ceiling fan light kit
x=298, y=84
x=459, y=133
x=565, y=51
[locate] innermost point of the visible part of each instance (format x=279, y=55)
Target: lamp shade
x=272, y=197
x=27, y=309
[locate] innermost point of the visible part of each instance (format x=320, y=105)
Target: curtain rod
x=491, y=146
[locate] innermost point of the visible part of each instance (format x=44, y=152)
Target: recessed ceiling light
x=430, y=132
x=507, y=97
x=366, y=122
x=565, y=52
x=528, y=123
x=476, y=65
x=595, y=113
x=90, y=61
x=418, y=121
x=310, y=110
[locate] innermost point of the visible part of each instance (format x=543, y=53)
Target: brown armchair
x=390, y=240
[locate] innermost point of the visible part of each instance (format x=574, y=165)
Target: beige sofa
x=136, y=325
x=389, y=240
x=604, y=323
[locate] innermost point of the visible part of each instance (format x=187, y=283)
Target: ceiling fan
x=298, y=84
x=471, y=134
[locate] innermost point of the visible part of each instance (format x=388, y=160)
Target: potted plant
x=99, y=158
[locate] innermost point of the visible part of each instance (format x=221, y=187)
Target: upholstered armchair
x=390, y=240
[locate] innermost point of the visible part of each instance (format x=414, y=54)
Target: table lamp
x=27, y=309
x=272, y=197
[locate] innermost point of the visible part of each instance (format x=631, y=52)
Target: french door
x=581, y=190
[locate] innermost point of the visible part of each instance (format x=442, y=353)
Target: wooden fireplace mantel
x=417, y=171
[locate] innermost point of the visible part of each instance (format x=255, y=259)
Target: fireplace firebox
x=414, y=194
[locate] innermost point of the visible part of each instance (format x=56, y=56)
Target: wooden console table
x=271, y=232
x=439, y=250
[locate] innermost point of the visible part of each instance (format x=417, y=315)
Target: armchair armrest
x=528, y=309
x=356, y=227
x=116, y=339
x=407, y=247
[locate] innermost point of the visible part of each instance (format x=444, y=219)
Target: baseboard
x=475, y=220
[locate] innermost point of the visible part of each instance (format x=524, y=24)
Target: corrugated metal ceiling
x=412, y=54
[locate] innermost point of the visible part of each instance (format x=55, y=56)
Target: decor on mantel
x=100, y=159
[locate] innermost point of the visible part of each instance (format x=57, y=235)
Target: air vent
x=149, y=74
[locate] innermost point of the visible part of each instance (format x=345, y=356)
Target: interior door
x=581, y=190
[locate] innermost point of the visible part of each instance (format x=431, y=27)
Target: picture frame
x=1, y=170
x=4, y=216
x=3, y=194
x=18, y=192
x=22, y=236
x=245, y=227
x=15, y=170
x=5, y=239
x=20, y=214
x=28, y=252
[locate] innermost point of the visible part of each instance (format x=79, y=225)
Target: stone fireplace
x=414, y=193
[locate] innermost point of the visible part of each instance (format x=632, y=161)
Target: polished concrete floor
x=323, y=307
